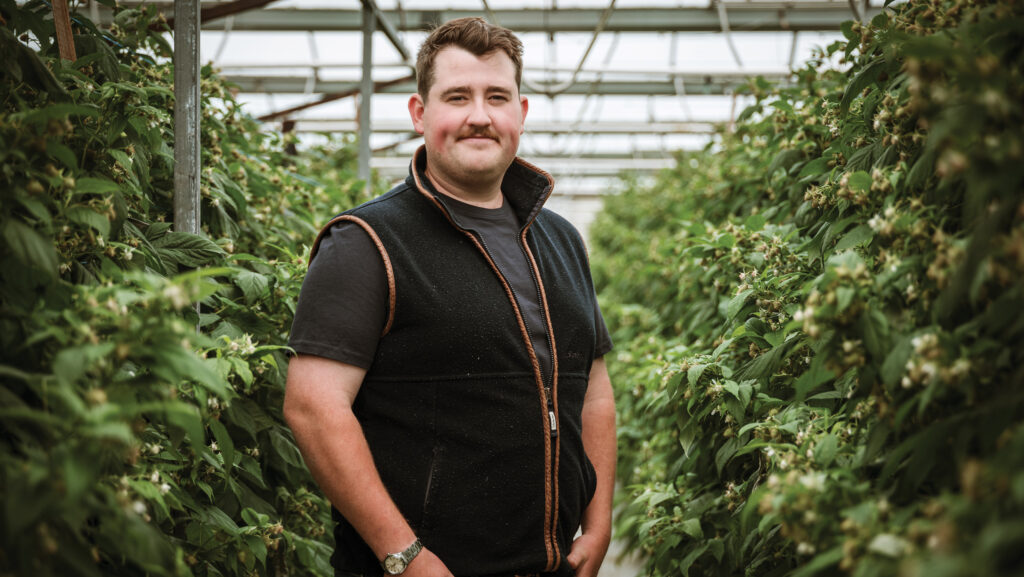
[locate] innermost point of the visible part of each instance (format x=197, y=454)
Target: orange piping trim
x=388, y=269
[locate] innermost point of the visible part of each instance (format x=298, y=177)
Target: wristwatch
x=395, y=563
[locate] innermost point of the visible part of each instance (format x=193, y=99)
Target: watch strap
x=401, y=559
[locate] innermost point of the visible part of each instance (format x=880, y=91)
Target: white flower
x=961, y=367
x=139, y=507
x=178, y=298
x=164, y=488
x=248, y=347
x=813, y=481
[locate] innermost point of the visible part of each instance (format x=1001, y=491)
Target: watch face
x=394, y=565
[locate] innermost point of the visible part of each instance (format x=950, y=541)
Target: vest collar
x=526, y=187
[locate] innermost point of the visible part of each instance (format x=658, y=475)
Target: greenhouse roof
x=614, y=86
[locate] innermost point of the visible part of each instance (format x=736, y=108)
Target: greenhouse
x=801, y=222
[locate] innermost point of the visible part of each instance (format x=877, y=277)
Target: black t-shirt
x=344, y=300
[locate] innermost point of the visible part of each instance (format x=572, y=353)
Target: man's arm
x=599, y=442
x=318, y=408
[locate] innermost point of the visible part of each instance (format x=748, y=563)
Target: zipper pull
x=552, y=419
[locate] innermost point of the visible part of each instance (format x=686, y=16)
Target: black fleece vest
x=481, y=453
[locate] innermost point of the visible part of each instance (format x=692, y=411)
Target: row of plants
x=818, y=317
x=142, y=367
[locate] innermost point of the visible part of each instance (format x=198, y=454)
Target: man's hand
x=426, y=564
x=318, y=407
x=587, y=553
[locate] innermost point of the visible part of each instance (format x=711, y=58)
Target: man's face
x=472, y=118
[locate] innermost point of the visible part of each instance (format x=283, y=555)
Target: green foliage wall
x=818, y=318
x=130, y=442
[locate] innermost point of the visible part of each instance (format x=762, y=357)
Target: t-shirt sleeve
x=343, y=304
x=604, y=339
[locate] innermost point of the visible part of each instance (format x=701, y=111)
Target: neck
x=484, y=195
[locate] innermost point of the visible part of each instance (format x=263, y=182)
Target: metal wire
x=856, y=12
x=314, y=75
x=723, y=17
x=228, y=24
x=560, y=88
x=677, y=79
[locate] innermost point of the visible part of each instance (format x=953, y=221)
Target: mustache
x=485, y=133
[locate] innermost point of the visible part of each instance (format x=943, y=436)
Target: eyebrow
x=465, y=89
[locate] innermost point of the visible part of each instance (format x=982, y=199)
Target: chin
x=488, y=164
x=484, y=172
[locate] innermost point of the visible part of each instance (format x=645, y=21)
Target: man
x=448, y=392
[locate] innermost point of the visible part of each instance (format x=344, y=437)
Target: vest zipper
x=547, y=393
x=550, y=398
x=550, y=538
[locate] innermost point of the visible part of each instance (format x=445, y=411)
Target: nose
x=478, y=114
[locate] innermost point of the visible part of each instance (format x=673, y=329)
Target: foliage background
x=130, y=442
x=818, y=317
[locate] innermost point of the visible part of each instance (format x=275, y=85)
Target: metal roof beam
x=743, y=16
x=602, y=127
x=527, y=69
x=353, y=89
x=212, y=11
x=694, y=84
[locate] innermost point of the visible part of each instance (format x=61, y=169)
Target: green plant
x=130, y=442
x=817, y=318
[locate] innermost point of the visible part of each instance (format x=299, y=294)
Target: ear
x=416, y=112
x=526, y=107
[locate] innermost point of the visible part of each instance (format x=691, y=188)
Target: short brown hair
x=472, y=34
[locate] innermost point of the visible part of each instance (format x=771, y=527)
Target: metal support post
x=186, y=116
x=366, y=95
x=389, y=31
